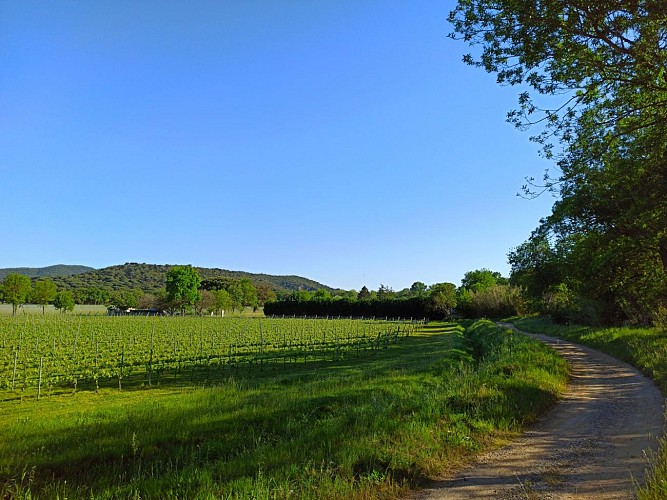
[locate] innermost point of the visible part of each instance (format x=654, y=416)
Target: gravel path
x=592, y=444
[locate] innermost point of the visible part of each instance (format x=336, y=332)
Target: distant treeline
x=483, y=293
x=418, y=301
x=414, y=307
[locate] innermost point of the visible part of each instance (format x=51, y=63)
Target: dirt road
x=592, y=444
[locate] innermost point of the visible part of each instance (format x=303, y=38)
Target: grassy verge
x=354, y=428
x=644, y=348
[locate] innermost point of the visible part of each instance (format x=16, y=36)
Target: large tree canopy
x=183, y=286
x=603, y=65
x=64, y=301
x=606, y=57
x=15, y=290
x=45, y=291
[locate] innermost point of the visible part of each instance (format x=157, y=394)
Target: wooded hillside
x=45, y=272
x=151, y=278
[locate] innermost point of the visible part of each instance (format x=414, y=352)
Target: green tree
x=249, y=293
x=605, y=61
x=182, y=286
x=536, y=267
x=363, y=293
x=15, y=290
x=418, y=289
x=265, y=294
x=217, y=283
x=322, y=295
x=45, y=291
x=205, y=302
x=91, y=295
x=125, y=299
x=442, y=299
x=223, y=301
x=601, y=66
x=350, y=295
x=385, y=293
x=64, y=301
x=481, y=279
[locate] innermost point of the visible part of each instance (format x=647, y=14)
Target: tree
x=64, y=301
x=45, y=291
x=322, y=295
x=205, y=302
x=364, y=293
x=605, y=62
x=347, y=294
x=182, y=286
x=385, y=293
x=125, y=299
x=91, y=295
x=217, y=283
x=265, y=294
x=418, y=289
x=605, y=58
x=481, y=279
x=249, y=293
x=442, y=299
x=223, y=301
x=15, y=290
x=536, y=267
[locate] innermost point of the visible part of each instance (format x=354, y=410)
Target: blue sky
x=343, y=141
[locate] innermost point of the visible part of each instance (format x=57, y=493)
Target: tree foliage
x=242, y=292
x=442, y=299
x=435, y=302
x=606, y=59
x=15, y=290
x=64, y=301
x=44, y=293
x=183, y=286
x=480, y=279
x=364, y=293
x=125, y=299
x=151, y=278
x=593, y=74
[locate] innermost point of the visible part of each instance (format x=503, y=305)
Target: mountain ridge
x=150, y=278
x=46, y=272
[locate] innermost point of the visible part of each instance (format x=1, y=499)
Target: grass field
x=6, y=310
x=364, y=426
x=644, y=348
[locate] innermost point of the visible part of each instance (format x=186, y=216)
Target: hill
x=46, y=272
x=152, y=277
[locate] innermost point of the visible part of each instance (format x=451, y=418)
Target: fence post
x=39, y=382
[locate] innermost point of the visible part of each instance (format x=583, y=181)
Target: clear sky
x=343, y=141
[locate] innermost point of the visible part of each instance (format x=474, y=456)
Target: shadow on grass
x=324, y=412
x=252, y=372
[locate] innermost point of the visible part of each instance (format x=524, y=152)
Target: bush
x=497, y=301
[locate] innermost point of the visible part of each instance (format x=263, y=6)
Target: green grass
x=644, y=348
x=6, y=309
x=354, y=428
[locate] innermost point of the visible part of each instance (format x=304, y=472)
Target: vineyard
x=39, y=354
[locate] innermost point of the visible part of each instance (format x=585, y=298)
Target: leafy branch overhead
x=600, y=68
x=606, y=59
